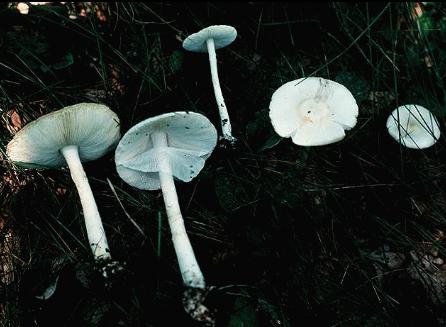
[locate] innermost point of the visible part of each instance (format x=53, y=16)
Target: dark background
x=290, y=236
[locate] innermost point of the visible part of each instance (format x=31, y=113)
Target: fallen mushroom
x=413, y=126
x=313, y=111
x=69, y=136
x=148, y=157
x=208, y=40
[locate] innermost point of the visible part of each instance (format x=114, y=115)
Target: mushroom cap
x=413, y=126
x=313, y=111
x=191, y=138
x=93, y=127
x=223, y=35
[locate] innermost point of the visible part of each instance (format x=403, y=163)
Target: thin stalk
x=190, y=271
x=224, y=116
x=93, y=223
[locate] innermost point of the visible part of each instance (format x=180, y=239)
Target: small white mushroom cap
x=223, y=35
x=191, y=138
x=413, y=126
x=94, y=128
x=313, y=111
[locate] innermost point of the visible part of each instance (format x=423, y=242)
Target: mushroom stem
x=224, y=116
x=322, y=91
x=190, y=271
x=93, y=223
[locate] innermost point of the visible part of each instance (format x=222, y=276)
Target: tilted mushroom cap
x=313, y=111
x=413, y=126
x=94, y=128
x=191, y=138
x=223, y=35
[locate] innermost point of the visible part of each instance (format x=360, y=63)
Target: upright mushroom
x=313, y=111
x=69, y=136
x=413, y=126
x=208, y=40
x=149, y=156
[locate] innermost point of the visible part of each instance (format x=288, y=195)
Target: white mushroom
x=23, y=7
x=77, y=133
x=413, y=126
x=208, y=40
x=155, y=151
x=313, y=111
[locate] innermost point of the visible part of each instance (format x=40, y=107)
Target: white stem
x=93, y=223
x=190, y=271
x=224, y=116
x=322, y=92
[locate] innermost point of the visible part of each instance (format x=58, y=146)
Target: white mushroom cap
x=413, y=126
x=223, y=35
x=94, y=128
x=313, y=111
x=191, y=138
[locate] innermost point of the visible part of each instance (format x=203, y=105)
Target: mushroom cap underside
x=94, y=128
x=191, y=138
x=223, y=35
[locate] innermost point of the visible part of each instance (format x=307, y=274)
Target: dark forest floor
x=348, y=234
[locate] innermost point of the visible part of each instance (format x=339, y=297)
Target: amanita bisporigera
x=148, y=157
x=413, y=126
x=69, y=136
x=313, y=111
x=208, y=40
